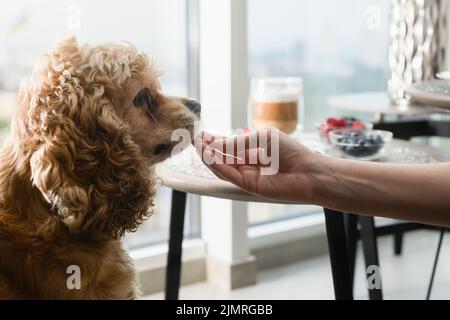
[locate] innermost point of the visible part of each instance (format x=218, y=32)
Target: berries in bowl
x=360, y=144
x=342, y=123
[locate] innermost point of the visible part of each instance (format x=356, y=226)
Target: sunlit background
x=335, y=46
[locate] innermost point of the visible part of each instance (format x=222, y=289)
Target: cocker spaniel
x=76, y=172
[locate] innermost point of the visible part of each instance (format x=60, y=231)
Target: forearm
x=412, y=193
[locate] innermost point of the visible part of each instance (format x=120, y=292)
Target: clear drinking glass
x=277, y=103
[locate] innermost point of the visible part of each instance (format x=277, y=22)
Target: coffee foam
x=280, y=96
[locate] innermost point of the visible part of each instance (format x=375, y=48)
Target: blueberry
x=360, y=145
x=350, y=120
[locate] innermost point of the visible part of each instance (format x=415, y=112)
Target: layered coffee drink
x=276, y=110
x=276, y=103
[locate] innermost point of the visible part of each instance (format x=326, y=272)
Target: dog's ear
x=54, y=99
x=85, y=163
x=52, y=171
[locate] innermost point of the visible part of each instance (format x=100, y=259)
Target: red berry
x=332, y=122
x=341, y=123
x=358, y=125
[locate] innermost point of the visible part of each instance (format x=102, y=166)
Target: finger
x=210, y=137
x=210, y=156
x=207, y=155
x=256, y=157
x=249, y=157
x=227, y=172
x=218, y=167
x=237, y=146
x=253, y=157
x=199, y=145
x=219, y=176
x=233, y=151
x=217, y=153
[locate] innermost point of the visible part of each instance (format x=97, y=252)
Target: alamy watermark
x=73, y=20
x=73, y=281
x=373, y=17
x=374, y=278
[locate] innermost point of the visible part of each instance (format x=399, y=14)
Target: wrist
x=318, y=173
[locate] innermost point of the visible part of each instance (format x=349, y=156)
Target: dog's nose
x=194, y=106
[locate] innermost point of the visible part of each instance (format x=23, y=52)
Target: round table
x=217, y=188
x=377, y=103
x=182, y=183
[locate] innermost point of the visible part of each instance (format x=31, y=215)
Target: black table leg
x=436, y=260
x=173, y=271
x=398, y=243
x=337, y=245
x=351, y=228
x=369, y=241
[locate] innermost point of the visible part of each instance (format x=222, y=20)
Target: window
x=158, y=27
x=335, y=46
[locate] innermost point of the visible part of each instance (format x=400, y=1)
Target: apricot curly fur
x=73, y=180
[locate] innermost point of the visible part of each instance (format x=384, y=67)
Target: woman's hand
x=266, y=163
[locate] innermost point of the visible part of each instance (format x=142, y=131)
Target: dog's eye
x=144, y=99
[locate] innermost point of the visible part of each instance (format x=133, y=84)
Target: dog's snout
x=194, y=106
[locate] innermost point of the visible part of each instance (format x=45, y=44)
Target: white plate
x=431, y=93
x=444, y=75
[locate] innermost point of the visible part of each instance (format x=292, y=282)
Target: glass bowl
x=360, y=144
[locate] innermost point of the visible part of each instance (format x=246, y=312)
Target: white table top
x=377, y=103
x=214, y=187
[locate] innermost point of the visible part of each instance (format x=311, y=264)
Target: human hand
x=249, y=160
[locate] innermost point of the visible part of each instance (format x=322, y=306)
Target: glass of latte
x=277, y=103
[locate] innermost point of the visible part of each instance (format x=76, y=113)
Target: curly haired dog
x=76, y=172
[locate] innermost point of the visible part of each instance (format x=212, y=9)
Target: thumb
x=219, y=168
